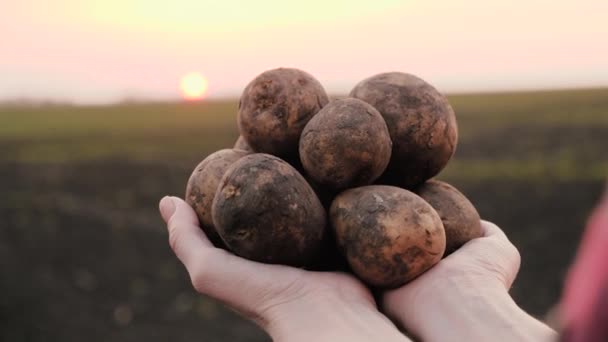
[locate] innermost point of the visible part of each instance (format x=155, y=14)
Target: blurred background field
x=84, y=255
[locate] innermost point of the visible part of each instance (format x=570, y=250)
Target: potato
x=388, y=235
x=460, y=218
x=346, y=144
x=275, y=107
x=241, y=144
x=203, y=184
x=265, y=211
x=421, y=123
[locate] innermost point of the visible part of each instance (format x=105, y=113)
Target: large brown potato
x=421, y=123
x=460, y=218
x=275, y=107
x=265, y=211
x=203, y=184
x=389, y=235
x=346, y=144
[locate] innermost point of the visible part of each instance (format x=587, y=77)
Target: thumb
x=492, y=253
x=249, y=287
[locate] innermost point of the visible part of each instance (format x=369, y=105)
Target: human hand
x=288, y=303
x=465, y=296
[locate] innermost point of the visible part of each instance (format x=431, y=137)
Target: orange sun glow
x=193, y=86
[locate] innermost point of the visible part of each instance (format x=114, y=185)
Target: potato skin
x=460, y=218
x=203, y=184
x=346, y=144
x=275, y=107
x=389, y=235
x=241, y=144
x=265, y=211
x=421, y=122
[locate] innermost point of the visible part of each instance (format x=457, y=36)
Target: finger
x=491, y=229
x=250, y=287
x=175, y=208
x=491, y=235
x=494, y=251
x=185, y=235
x=166, y=208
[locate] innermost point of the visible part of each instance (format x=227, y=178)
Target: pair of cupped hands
x=462, y=298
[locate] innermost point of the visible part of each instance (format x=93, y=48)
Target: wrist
x=331, y=319
x=471, y=309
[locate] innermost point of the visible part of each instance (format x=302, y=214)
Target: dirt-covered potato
x=346, y=144
x=203, y=184
x=275, y=107
x=265, y=211
x=460, y=218
x=389, y=235
x=421, y=123
x=241, y=144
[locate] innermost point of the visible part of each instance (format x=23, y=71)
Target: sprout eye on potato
x=203, y=184
x=460, y=218
x=275, y=107
x=389, y=235
x=265, y=211
x=297, y=188
x=421, y=122
x=346, y=144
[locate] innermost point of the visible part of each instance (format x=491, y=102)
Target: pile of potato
x=337, y=185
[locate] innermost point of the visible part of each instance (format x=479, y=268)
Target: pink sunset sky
x=104, y=51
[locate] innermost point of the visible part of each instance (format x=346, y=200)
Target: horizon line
x=25, y=101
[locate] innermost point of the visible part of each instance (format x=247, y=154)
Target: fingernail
x=166, y=207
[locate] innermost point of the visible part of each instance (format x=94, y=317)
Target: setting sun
x=193, y=86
